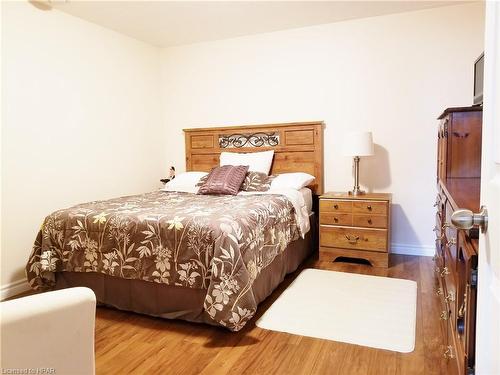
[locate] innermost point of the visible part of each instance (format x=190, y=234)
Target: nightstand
x=355, y=227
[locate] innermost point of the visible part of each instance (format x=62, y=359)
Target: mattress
x=217, y=244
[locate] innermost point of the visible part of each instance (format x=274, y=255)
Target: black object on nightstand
x=171, y=175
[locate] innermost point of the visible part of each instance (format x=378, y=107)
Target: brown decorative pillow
x=257, y=181
x=202, y=180
x=224, y=180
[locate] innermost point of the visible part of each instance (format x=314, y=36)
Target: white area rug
x=378, y=312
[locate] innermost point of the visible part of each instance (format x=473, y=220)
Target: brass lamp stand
x=356, y=189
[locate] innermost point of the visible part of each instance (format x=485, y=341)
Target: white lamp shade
x=358, y=144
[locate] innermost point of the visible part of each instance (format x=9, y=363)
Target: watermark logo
x=29, y=371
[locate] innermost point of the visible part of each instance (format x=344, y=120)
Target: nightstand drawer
x=371, y=207
x=333, y=205
x=334, y=218
x=353, y=238
x=369, y=221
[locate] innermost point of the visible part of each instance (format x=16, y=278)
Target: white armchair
x=52, y=333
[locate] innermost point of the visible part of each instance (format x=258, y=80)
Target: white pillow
x=184, y=181
x=296, y=181
x=256, y=161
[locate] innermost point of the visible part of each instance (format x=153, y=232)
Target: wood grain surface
x=128, y=343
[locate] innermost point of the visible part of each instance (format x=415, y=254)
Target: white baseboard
x=426, y=251
x=14, y=288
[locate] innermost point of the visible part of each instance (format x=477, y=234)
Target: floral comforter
x=217, y=243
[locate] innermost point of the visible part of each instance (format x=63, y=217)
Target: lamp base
x=356, y=192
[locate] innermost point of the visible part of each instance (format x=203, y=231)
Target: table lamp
x=357, y=144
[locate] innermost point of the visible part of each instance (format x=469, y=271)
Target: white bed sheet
x=308, y=198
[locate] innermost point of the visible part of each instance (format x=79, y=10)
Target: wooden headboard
x=298, y=147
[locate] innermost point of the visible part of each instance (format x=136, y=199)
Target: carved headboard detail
x=298, y=147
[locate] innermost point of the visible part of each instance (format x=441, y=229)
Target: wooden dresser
x=458, y=186
x=355, y=227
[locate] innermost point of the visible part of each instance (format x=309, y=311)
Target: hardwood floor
x=128, y=343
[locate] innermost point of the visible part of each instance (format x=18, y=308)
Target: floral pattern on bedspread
x=217, y=243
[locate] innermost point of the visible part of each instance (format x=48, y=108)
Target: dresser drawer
x=334, y=205
x=354, y=238
x=369, y=221
x=372, y=207
x=334, y=218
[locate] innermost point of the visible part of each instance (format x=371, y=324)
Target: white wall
x=392, y=74
x=86, y=116
x=80, y=121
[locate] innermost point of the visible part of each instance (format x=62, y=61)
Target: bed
x=201, y=258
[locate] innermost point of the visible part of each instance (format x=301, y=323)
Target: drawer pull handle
x=450, y=297
x=452, y=241
x=336, y=219
x=352, y=240
x=439, y=292
x=438, y=198
x=336, y=206
x=445, y=272
x=448, y=354
x=461, y=311
x=369, y=208
x=460, y=135
x=443, y=315
x=370, y=221
x=463, y=308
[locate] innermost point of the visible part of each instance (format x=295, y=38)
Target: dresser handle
x=460, y=135
x=369, y=208
x=450, y=297
x=352, y=240
x=463, y=308
x=445, y=272
x=443, y=315
x=336, y=206
x=448, y=354
x=336, y=219
x=437, y=199
x=370, y=221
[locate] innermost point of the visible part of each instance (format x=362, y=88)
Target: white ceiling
x=171, y=23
